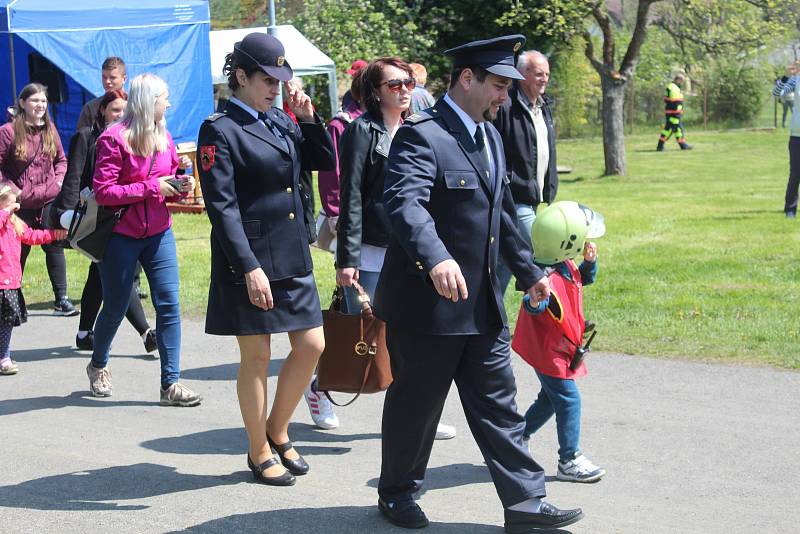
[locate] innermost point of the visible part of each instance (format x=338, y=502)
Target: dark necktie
x=272, y=128
x=480, y=141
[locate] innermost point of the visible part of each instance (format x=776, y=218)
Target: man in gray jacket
x=525, y=123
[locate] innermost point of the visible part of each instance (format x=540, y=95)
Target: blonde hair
x=140, y=130
x=7, y=191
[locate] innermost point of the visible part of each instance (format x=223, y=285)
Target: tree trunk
x=613, y=124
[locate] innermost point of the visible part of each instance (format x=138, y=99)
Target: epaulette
x=214, y=116
x=421, y=116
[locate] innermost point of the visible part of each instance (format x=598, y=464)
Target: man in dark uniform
x=452, y=214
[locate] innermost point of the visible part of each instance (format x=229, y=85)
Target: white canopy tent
x=304, y=58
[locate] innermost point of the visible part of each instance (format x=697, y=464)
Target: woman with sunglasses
x=364, y=229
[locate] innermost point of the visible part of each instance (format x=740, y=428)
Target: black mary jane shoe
x=296, y=467
x=285, y=479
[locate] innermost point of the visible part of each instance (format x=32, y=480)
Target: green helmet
x=561, y=229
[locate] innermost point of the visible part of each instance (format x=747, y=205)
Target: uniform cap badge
x=280, y=61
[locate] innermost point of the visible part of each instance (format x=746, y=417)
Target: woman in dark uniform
x=251, y=157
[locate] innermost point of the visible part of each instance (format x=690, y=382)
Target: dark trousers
x=790, y=206
x=424, y=367
x=54, y=256
x=92, y=298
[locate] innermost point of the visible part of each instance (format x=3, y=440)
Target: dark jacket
x=250, y=182
x=80, y=170
x=444, y=203
x=519, y=142
x=363, y=156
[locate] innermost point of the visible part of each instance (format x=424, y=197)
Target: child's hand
x=590, y=251
x=59, y=234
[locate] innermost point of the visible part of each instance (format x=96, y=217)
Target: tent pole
x=273, y=30
x=13, y=67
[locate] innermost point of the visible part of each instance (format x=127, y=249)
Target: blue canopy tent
x=166, y=38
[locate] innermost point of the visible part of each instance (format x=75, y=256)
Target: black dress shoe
x=548, y=517
x=286, y=479
x=296, y=467
x=406, y=514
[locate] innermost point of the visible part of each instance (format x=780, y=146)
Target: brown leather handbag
x=355, y=359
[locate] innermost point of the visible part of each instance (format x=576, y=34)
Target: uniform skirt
x=12, y=307
x=230, y=312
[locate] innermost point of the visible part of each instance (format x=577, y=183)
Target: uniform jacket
x=546, y=337
x=443, y=203
x=121, y=178
x=516, y=129
x=40, y=181
x=251, y=189
x=11, y=246
x=362, y=217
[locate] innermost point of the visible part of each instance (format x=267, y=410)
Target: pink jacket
x=121, y=179
x=10, y=247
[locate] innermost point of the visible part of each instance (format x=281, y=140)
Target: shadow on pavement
x=98, y=489
x=449, y=476
x=227, y=371
x=81, y=399
x=51, y=353
x=331, y=520
x=234, y=441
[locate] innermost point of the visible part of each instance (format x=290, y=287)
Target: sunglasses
x=394, y=85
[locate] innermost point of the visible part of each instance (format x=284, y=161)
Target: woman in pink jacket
x=13, y=233
x=135, y=170
x=32, y=159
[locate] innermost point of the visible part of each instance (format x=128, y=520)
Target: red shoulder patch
x=207, y=157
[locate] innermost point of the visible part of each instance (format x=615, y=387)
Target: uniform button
x=490, y=270
x=288, y=189
x=419, y=267
x=418, y=263
x=491, y=239
x=291, y=216
x=462, y=183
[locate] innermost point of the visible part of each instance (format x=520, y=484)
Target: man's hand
x=346, y=276
x=258, y=289
x=448, y=280
x=539, y=291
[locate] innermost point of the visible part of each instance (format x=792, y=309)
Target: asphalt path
x=689, y=447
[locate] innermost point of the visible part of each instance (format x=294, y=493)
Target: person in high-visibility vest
x=673, y=108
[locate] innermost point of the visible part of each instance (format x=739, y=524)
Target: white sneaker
x=321, y=408
x=579, y=469
x=445, y=432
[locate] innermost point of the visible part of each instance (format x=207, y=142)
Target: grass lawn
x=698, y=260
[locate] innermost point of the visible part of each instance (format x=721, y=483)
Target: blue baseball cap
x=267, y=53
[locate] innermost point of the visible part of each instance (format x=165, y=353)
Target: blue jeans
x=369, y=281
x=558, y=396
x=159, y=260
x=526, y=214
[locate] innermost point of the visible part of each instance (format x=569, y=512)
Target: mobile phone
x=176, y=183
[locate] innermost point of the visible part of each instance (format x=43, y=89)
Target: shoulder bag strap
x=121, y=212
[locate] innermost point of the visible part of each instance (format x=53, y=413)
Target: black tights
x=92, y=298
x=54, y=256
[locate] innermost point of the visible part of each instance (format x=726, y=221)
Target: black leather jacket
x=363, y=153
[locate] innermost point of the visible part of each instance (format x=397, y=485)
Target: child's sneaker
x=8, y=367
x=579, y=469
